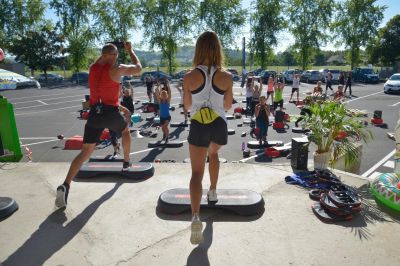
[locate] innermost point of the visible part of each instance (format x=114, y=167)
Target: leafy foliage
x=74, y=18
x=18, y=17
x=165, y=23
x=356, y=23
x=39, y=49
x=327, y=121
x=309, y=22
x=266, y=22
x=386, y=46
x=225, y=17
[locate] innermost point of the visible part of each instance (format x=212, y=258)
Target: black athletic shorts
x=280, y=103
x=270, y=92
x=164, y=119
x=295, y=89
x=111, y=118
x=202, y=134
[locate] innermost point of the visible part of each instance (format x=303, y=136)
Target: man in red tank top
x=105, y=110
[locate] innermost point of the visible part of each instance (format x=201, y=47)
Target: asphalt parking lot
x=43, y=114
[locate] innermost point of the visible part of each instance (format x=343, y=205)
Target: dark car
x=155, y=75
x=255, y=72
x=51, y=78
x=235, y=74
x=265, y=74
x=180, y=74
x=311, y=76
x=366, y=75
x=80, y=77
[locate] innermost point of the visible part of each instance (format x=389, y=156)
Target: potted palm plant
x=335, y=134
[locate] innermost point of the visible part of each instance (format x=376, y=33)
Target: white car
x=392, y=84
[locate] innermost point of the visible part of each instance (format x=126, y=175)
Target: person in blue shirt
x=164, y=99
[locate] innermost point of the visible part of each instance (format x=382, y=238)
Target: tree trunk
x=170, y=62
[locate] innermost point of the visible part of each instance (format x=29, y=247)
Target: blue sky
x=285, y=39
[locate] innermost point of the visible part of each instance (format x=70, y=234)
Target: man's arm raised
x=135, y=67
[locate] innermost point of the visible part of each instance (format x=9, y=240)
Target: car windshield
x=335, y=71
x=314, y=72
x=395, y=77
x=290, y=72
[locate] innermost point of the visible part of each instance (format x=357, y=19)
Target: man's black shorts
x=164, y=119
x=111, y=118
x=280, y=103
x=202, y=134
x=295, y=89
x=270, y=92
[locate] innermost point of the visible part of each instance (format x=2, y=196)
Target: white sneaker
x=212, y=195
x=196, y=236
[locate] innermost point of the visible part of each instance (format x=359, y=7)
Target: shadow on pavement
x=152, y=155
x=199, y=255
x=217, y=215
x=51, y=236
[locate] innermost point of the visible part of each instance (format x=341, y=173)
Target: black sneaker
x=126, y=166
x=62, y=195
x=166, y=140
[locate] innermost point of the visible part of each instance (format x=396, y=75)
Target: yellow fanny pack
x=205, y=115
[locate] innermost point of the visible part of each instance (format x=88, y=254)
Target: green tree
x=309, y=22
x=266, y=23
x=74, y=24
x=225, y=17
x=386, y=47
x=17, y=17
x=356, y=24
x=115, y=20
x=165, y=25
x=39, y=48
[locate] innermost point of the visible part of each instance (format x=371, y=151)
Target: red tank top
x=102, y=88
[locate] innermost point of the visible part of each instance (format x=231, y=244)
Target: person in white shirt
x=295, y=87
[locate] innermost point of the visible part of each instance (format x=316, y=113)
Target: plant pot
x=321, y=160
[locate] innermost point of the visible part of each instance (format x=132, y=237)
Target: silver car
x=392, y=84
x=289, y=74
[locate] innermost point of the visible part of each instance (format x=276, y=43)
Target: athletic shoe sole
x=60, y=199
x=196, y=236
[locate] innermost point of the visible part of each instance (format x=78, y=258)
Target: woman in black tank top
x=262, y=122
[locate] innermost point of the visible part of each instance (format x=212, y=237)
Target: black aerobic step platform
x=136, y=171
x=169, y=144
x=240, y=201
x=254, y=144
x=7, y=207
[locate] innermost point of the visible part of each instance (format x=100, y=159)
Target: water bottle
x=397, y=152
x=243, y=146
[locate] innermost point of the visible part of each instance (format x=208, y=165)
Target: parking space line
x=29, y=97
x=32, y=138
x=359, y=98
x=41, y=142
x=39, y=101
x=50, y=99
x=26, y=107
x=395, y=104
x=389, y=164
x=373, y=168
x=43, y=111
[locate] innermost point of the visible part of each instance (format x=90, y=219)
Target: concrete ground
x=113, y=221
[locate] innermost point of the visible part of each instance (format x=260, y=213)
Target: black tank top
x=262, y=115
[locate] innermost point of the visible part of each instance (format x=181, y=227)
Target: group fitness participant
x=104, y=77
x=179, y=87
x=262, y=121
x=295, y=86
x=164, y=100
x=207, y=93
